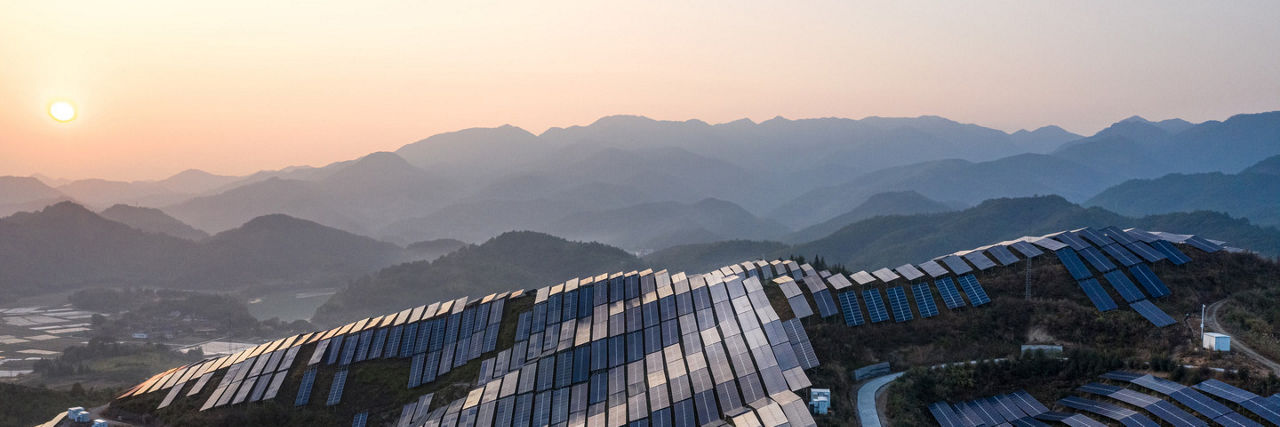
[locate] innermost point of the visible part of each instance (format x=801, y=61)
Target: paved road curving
x=1211, y=324
x=868, y=415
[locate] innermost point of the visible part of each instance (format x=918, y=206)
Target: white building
x=1217, y=342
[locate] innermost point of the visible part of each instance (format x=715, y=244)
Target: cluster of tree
x=28, y=405
x=176, y=312
x=1253, y=317
x=74, y=360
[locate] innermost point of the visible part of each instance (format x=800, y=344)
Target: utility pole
x=1202, y=308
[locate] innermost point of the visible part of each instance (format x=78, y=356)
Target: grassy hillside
x=1057, y=313
x=514, y=260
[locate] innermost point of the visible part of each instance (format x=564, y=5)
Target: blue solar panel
x=1097, y=259
x=1099, y=297
x=849, y=308
x=1234, y=419
x=1171, y=252
x=956, y=264
x=1154, y=314
x=1145, y=251
x=826, y=306
x=407, y=341
x=1203, y=244
x=360, y=419
x=393, y=341
x=304, y=388
x=901, y=307
x=950, y=295
x=1122, y=255
x=1094, y=237
x=924, y=300
x=431, y=367
x=1124, y=286
x=349, y=348
x=977, y=295
x=875, y=305
x=944, y=415
x=1002, y=254
x=335, y=390
x=1149, y=281
x=415, y=370
x=1073, y=264
x=379, y=341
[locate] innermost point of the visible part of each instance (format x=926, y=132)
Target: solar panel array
x=603, y=337
x=1018, y=408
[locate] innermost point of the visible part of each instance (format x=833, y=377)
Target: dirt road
x=1211, y=325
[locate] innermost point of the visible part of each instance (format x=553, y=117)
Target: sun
x=62, y=111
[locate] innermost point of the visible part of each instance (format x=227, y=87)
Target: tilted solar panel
x=977, y=295
x=1072, y=240
x=925, y=303
x=1097, y=295
x=1097, y=259
x=875, y=305
x=1119, y=253
x=1002, y=254
x=1027, y=249
x=933, y=269
x=898, y=303
x=1203, y=244
x=849, y=308
x=1145, y=251
x=1124, y=286
x=1171, y=252
x=978, y=259
x=1073, y=264
x=1154, y=314
x=950, y=295
x=956, y=264
x=909, y=272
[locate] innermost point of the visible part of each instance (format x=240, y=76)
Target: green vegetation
x=1254, y=318
x=166, y=312
x=510, y=261
x=1253, y=194
x=39, y=404
x=1057, y=313
x=108, y=364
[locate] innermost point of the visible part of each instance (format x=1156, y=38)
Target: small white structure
x=1217, y=342
x=78, y=414
x=100, y=423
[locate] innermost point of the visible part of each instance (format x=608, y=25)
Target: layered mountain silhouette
x=152, y=220
x=511, y=258
x=1254, y=193
x=68, y=246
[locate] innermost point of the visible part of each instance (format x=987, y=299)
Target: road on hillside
x=1211, y=325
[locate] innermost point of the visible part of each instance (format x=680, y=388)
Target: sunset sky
x=236, y=86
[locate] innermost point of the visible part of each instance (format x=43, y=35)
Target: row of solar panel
x=1018, y=408
x=901, y=307
x=1194, y=400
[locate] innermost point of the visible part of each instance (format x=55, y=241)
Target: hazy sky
x=235, y=86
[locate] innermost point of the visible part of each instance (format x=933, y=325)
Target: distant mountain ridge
x=153, y=221
x=891, y=203
x=67, y=246
x=1253, y=193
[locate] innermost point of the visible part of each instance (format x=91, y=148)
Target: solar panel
x=826, y=305
x=898, y=302
x=925, y=303
x=1125, y=416
x=956, y=264
x=1122, y=255
x=1154, y=314
x=979, y=260
x=1124, y=286
x=1071, y=240
x=304, y=388
x=875, y=305
x=1145, y=251
x=1099, y=297
x=1117, y=235
x=862, y=277
x=933, y=269
x=945, y=416
x=1226, y=391
x=909, y=272
x=849, y=308
x=1234, y=419
x=1171, y=252
x=1073, y=420
x=1073, y=264
x=335, y=389
x=977, y=295
x=885, y=275
x=274, y=388
x=1050, y=244
x=1002, y=254
x=1203, y=244
x=360, y=419
x=1027, y=250
x=1097, y=259
x=950, y=296
x=1093, y=236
